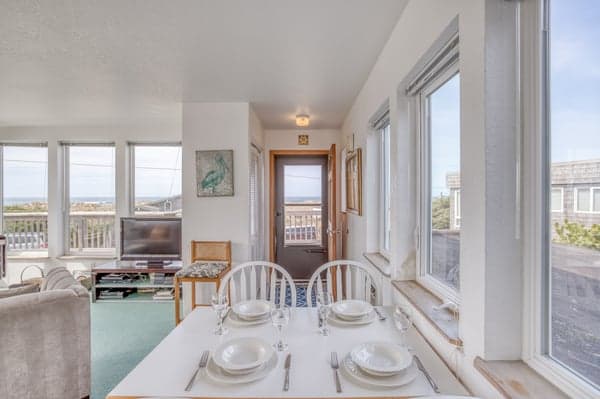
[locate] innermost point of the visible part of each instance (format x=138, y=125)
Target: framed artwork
x=303, y=139
x=354, y=182
x=214, y=173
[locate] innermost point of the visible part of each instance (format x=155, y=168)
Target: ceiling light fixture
x=302, y=120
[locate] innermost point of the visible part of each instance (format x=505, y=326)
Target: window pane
x=574, y=339
x=444, y=117
x=596, y=199
x=556, y=199
x=157, y=180
x=91, y=198
x=303, y=207
x=583, y=200
x=386, y=181
x=25, y=197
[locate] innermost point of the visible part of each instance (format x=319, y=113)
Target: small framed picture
x=214, y=173
x=354, y=182
x=303, y=139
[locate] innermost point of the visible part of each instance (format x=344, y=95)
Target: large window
x=25, y=197
x=157, y=180
x=90, y=192
x=384, y=191
x=439, y=261
x=572, y=241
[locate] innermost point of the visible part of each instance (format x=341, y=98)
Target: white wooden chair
x=258, y=280
x=345, y=279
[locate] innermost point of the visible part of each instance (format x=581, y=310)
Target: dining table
x=166, y=370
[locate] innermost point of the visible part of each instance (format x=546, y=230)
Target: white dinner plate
x=357, y=322
x=252, y=310
x=352, y=371
x=219, y=375
x=242, y=355
x=351, y=309
x=235, y=320
x=381, y=358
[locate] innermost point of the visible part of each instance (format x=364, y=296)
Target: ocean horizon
x=110, y=200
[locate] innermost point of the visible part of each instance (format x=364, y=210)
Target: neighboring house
x=575, y=193
x=164, y=206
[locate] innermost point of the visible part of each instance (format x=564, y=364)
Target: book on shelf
x=163, y=295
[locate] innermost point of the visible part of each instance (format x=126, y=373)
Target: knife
x=424, y=371
x=286, y=366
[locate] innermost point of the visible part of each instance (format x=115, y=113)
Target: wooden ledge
x=514, y=379
x=424, y=301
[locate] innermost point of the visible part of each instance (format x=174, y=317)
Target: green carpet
x=122, y=335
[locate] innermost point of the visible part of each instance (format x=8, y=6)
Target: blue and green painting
x=214, y=173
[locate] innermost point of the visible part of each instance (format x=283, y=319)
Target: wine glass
x=219, y=304
x=402, y=321
x=280, y=317
x=324, y=301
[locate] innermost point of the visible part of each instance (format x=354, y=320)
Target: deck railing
x=91, y=230
x=87, y=230
x=26, y=231
x=303, y=224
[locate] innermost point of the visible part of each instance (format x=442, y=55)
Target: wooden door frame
x=272, y=155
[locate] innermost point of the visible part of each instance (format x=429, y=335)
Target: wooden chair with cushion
x=211, y=260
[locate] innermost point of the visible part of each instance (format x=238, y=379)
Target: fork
x=335, y=365
x=201, y=365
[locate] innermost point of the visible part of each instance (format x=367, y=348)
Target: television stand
x=119, y=281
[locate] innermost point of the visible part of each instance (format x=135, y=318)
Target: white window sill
x=424, y=302
x=27, y=255
x=90, y=256
x=380, y=262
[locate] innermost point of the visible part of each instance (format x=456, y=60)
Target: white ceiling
x=115, y=62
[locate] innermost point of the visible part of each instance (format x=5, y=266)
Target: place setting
x=244, y=360
x=348, y=312
x=380, y=365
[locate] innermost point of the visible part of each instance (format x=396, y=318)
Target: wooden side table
x=193, y=280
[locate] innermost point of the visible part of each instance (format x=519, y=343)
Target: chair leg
x=177, y=305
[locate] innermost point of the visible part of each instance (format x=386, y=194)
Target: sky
x=575, y=82
x=92, y=172
x=445, y=134
x=302, y=181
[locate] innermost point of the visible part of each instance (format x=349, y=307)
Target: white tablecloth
x=166, y=370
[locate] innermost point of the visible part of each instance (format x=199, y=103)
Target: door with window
x=301, y=213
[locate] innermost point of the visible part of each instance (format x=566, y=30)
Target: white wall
x=216, y=126
x=487, y=145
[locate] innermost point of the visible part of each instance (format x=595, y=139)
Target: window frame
x=438, y=288
x=66, y=202
x=534, y=69
x=41, y=252
x=457, y=212
x=131, y=164
x=562, y=199
x=384, y=200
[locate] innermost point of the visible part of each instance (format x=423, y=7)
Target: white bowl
x=351, y=309
x=242, y=355
x=252, y=310
x=381, y=358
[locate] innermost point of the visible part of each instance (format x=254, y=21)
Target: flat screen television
x=151, y=239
